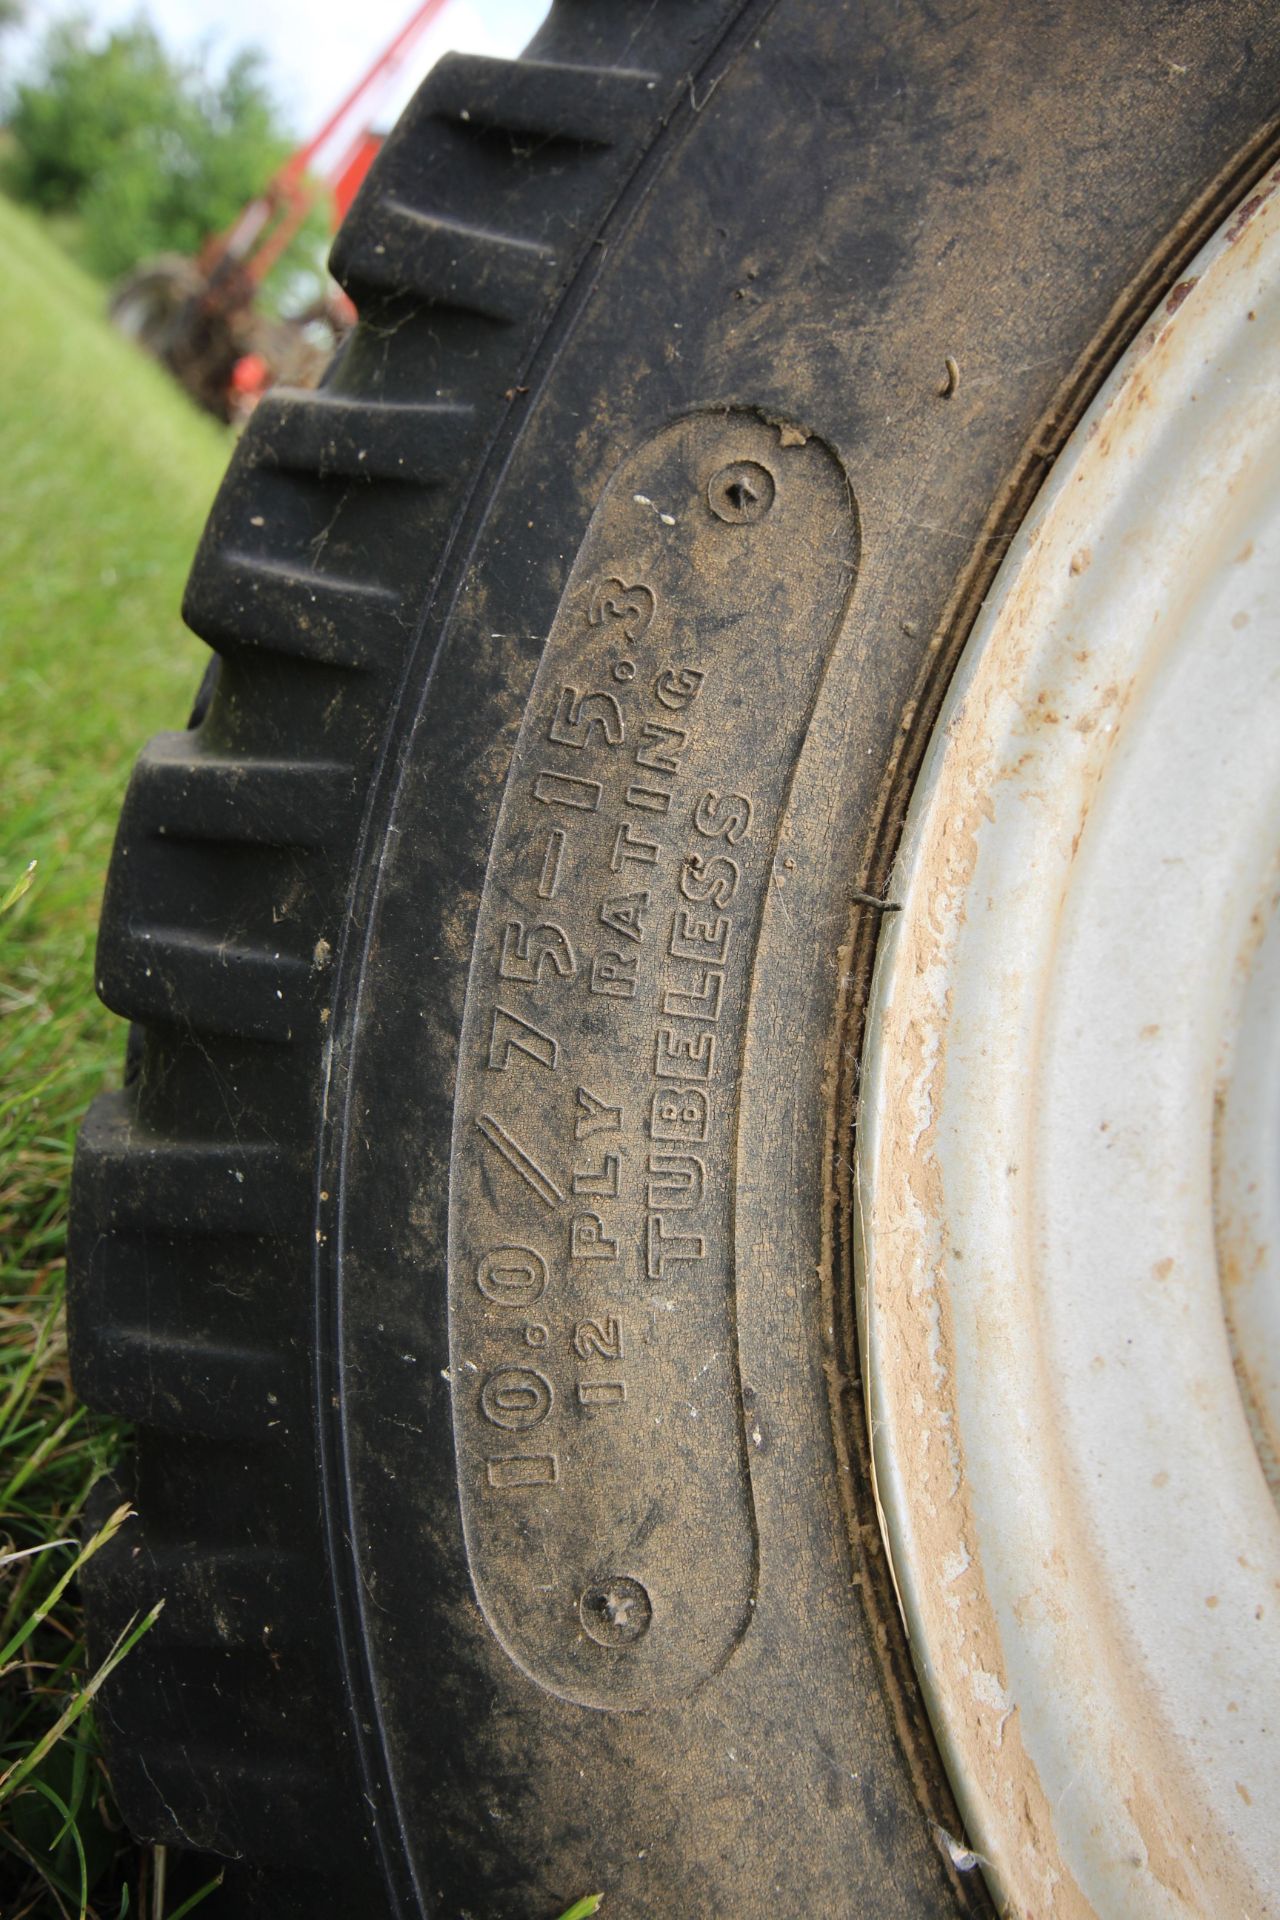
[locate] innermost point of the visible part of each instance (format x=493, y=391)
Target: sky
x=316, y=49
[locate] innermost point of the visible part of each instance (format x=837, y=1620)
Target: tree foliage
x=152, y=152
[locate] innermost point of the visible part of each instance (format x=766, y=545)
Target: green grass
x=108, y=472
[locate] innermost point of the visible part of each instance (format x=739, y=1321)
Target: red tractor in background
x=201, y=317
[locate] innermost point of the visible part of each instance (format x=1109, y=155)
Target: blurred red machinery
x=201, y=317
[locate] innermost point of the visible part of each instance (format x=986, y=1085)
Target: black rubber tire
x=885, y=252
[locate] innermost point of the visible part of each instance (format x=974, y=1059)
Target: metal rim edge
x=1066, y=1124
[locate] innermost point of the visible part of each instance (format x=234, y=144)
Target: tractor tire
x=471, y=1242
x=147, y=305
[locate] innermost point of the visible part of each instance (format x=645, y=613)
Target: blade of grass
x=19, y=887
x=68, y=1826
x=26, y=1553
x=193, y=1900
x=28, y=1859
x=127, y=1641
x=159, y=1880
x=24, y=1374
x=106, y=1532
x=26, y=1095
x=38, y=1456
x=79, y=1786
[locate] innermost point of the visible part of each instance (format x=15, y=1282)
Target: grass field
x=108, y=475
x=108, y=472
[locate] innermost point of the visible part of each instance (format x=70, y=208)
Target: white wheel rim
x=1070, y=1129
